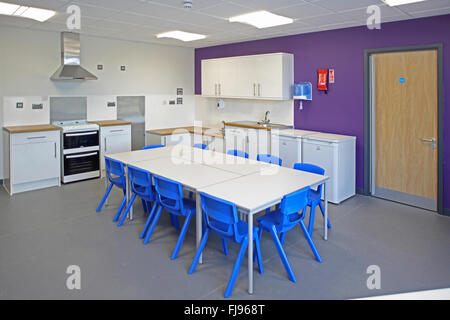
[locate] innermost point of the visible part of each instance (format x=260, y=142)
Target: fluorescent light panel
x=394, y=3
x=262, y=19
x=181, y=35
x=26, y=12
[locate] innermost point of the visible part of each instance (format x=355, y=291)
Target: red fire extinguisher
x=322, y=80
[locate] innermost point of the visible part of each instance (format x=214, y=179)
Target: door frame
x=368, y=116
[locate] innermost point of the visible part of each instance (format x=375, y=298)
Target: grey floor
x=43, y=232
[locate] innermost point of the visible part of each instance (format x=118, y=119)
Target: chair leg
x=322, y=209
x=149, y=220
x=102, y=202
x=119, y=211
x=155, y=221
x=312, y=213
x=180, y=240
x=125, y=214
x=282, y=237
x=282, y=254
x=199, y=252
x=224, y=247
x=144, y=205
x=311, y=243
x=174, y=221
x=258, y=255
x=237, y=266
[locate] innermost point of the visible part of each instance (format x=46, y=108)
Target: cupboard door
x=117, y=143
x=179, y=139
x=227, y=84
x=34, y=162
x=210, y=77
x=269, y=70
x=246, y=82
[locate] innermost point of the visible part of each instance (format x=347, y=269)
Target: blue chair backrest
x=238, y=153
x=221, y=216
x=291, y=204
x=141, y=181
x=170, y=194
x=312, y=168
x=114, y=169
x=154, y=146
x=201, y=146
x=269, y=159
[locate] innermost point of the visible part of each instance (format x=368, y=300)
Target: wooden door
x=406, y=114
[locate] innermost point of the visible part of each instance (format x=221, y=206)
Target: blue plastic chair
x=154, y=146
x=170, y=197
x=222, y=219
x=201, y=146
x=115, y=173
x=284, y=219
x=238, y=153
x=141, y=185
x=314, y=197
x=269, y=159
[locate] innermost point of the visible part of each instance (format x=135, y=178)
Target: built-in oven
x=80, y=166
x=85, y=140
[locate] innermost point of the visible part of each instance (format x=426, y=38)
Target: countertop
x=295, y=133
x=254, y=125
x=32, y=128
x=190, y=129
x=108, y=123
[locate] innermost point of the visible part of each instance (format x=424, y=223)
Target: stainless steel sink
x=272, y=125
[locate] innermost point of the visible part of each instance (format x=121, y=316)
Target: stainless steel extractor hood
x=70, y=68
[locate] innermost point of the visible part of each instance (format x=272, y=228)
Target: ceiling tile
x=344, y=5
x=425, y=6
x=226, y=10
x=303, y=10
x=113, y=4
x=434, y=12
x=266, y=4
x=197, y=4
x=43, y=4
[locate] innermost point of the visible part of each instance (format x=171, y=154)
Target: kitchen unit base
x=30, y=186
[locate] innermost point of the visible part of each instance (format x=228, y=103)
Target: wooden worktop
x=109, y=123
x=189, y=129
x=246, y=124
x=33, y=128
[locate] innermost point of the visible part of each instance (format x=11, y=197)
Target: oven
x=81, y=166
x=83, y=140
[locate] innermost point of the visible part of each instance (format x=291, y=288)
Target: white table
x=258, y=191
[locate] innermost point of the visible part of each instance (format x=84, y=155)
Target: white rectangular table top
x=186, y=172
x=258, y=191
x=141, y=155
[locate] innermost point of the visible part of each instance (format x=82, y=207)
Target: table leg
x=325, y=220
x=198, y=222
x=128, y=192
x=250, y=253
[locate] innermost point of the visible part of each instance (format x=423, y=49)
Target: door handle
x=254, y=89
x=432, y=140
x=259, y=90
x=215, y=89
x=55, y=149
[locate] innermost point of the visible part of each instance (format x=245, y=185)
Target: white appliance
x=288, y=145
x=80, y=150
x=337, y=155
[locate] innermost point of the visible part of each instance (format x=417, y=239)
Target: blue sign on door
x=401, y=80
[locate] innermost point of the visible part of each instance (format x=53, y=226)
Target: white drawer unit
x=114, y=139
x=336, y=154
x=31, y=160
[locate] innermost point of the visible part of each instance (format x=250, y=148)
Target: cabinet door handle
x=215, y=89
x=254, y=89
x=105, y=144
x=117, y=130
x=55, y=150
x=41, y=137
x=220, y=89
x=259, y=90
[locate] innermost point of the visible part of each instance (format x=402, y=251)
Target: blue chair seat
x=275, y=218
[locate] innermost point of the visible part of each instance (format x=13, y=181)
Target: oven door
x=80, y=166
x=84, y=139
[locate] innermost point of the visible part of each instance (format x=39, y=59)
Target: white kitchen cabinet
x=252, y=141
x=336, y=154
x=32, y=160
x=265, y=76
x=178, y=139
x=114, y=139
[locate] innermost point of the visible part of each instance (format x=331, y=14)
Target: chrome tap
x=266, y=120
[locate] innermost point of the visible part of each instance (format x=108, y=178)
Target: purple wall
x=342, y=109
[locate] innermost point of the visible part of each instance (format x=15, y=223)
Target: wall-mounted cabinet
x=265, y=76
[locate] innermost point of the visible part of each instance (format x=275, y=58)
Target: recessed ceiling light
x=181, y=35
x=262, y=19
x=393, y=3
x=26, y=12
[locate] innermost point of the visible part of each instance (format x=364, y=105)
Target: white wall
x=28, y=58
x=281, y=112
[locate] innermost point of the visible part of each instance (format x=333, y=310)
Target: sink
x=273, y=125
